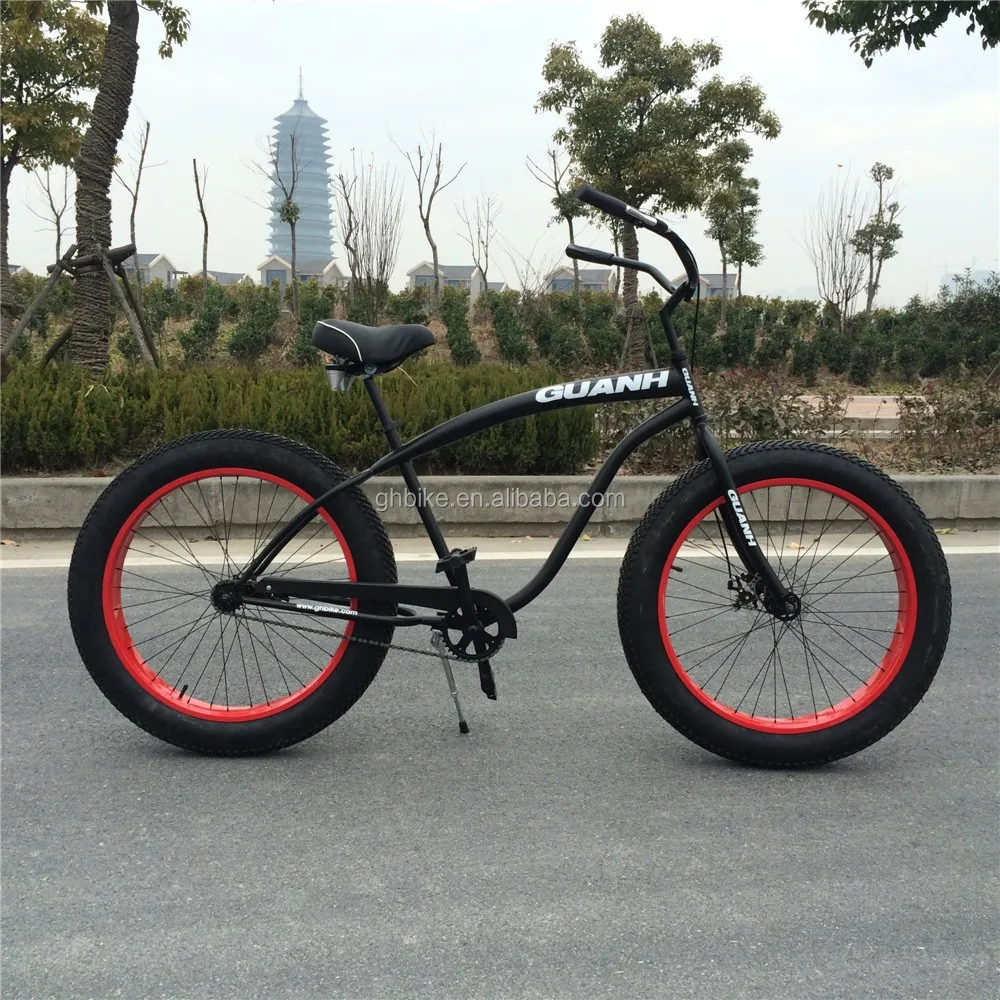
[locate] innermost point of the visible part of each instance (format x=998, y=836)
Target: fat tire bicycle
x=781, y=604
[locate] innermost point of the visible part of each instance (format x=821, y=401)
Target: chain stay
x=374, y=642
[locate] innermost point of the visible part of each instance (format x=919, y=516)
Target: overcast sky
x=471, y=70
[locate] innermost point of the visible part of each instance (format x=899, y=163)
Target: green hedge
x=59, y=419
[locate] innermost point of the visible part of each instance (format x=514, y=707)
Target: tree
x=641, y=129
x=200, y=186
x=568, y=208
x=282, y=165
x=52, y=53
x=480, y=231
x=429, y=186
x=56, y=203
x=876, y=239
x=876, y=28
x=829, y=242
x=722, y=205
x=746, y=251
x=96, y=160
x=370, y=206
x=140, y=143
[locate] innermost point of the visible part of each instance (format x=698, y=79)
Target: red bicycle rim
x=870, y=689
x=127, y=649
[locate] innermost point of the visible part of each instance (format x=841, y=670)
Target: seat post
x=391, y=431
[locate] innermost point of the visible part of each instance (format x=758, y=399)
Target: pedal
x=455, y=559
x=487, y=681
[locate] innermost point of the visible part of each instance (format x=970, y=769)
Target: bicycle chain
x=375, y=642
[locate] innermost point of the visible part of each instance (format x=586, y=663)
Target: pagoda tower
x=314, y=230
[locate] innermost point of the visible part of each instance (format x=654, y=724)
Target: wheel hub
x=751, y=592
x=226, y=597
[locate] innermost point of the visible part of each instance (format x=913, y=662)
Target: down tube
x=656, y=423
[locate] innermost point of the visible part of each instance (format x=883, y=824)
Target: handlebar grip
x=605, y=202
x=590, y=254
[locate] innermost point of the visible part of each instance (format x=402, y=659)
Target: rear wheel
x=159, y=630
x=838, y=675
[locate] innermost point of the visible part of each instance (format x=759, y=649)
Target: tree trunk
x=576, y=263
x=725, y=293
x=436, y=294
x=7, y=307
x=635, y=322
x=872, y=283
x=94, y=166
x=295, y=275
x=739, y=285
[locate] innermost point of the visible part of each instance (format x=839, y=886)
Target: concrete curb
x=53, y=508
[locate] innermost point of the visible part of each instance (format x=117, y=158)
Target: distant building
x=17, y=269
x=153, y=267
x=711, y=284
x=326, y=272
x=314, y=229
x=229, y=277
x=466, y=276
x=592, y=279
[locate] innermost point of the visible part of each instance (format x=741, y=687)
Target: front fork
x=778, y=599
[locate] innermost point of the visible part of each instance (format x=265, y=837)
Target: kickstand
x=436, y=642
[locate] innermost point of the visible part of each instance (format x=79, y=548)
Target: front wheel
x=856, y=658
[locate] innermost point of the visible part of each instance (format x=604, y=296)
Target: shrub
x=455, y=316
x=198, y=341
x=160, y=304
x=604, y=338
x=408, y=306
x=259, y=313
x=57, y=418
x=805, y=360
x=313, y=306
x=503, y=309
x=864, y=361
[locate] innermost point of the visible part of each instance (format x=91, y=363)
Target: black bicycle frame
x=655, y=384
x=676, y=381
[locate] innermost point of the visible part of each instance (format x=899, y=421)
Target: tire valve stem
x=181, y=695
x=437, y=642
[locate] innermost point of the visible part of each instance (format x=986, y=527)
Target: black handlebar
x=589, y=253
x=616, y=207
x=605, y=202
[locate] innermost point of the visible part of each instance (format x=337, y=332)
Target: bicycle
x=713, y=607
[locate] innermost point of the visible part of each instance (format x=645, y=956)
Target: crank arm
x=404, y=618
x=388, y=594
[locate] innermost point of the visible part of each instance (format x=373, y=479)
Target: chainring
x=459, y=635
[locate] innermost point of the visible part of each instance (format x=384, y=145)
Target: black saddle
x=385, y=347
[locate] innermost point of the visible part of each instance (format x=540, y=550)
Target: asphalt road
x=573, y=846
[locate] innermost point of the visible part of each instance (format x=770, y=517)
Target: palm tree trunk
x=7, y=309
x=635, y=322
x=94, y=166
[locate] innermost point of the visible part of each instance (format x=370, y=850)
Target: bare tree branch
x=427, y=171
x=140, y=142
x=370, y=207
x=553, y=176
x=480, y=231
x=200, y=187
x=828, y=241
x=532, y=269
x=283, y=173
x=57, y=204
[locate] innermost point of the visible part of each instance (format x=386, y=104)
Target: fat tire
x=307, y=469
x=638, y=605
